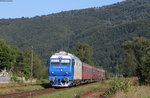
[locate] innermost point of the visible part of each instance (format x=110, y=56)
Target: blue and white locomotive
x=64, y=68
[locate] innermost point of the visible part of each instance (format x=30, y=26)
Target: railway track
x=30, y=94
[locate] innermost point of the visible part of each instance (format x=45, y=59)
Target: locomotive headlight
x=66, y=79
x=52, y=79
x=52, y=72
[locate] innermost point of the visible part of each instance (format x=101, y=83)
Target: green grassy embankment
x=115, y=88
x=79, y=90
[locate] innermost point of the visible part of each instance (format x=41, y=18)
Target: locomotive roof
x=63, y=54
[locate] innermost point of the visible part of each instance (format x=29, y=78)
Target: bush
x=14, y=78
x=116, y=86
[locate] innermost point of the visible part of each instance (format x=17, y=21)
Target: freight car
x=66, y=70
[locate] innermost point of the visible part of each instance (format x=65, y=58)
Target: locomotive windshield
x=55, y=62
x=60, y=62
x=65, y=62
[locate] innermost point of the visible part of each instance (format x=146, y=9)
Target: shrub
x=116, y=86
x=14, y=78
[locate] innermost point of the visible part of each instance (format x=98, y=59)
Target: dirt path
x=92, y=94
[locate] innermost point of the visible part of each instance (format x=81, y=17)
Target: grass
x=75, y=92
x=8, y=84
x=135, y=92
x=23, y=86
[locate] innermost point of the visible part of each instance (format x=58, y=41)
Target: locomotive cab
x=60, y=70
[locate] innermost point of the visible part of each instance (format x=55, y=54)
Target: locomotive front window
x=55, y=62
x=65, y=62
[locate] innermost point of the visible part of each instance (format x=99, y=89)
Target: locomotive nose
x=60, y=72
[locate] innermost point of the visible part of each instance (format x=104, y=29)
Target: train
x=65, y=70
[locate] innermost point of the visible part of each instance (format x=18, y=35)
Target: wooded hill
x=104, y=28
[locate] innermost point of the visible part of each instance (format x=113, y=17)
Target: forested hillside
x=104, y=28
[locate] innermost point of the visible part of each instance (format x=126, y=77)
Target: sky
x=31, y=8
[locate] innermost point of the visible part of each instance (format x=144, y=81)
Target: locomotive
x=65, y=69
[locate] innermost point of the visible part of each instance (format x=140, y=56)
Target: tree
x=129, y=65
x=19, y=61
x=8, y=55
x=39, y=70
x=139, y=50
x=84, y=51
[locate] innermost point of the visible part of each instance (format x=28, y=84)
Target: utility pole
x=31, y=63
